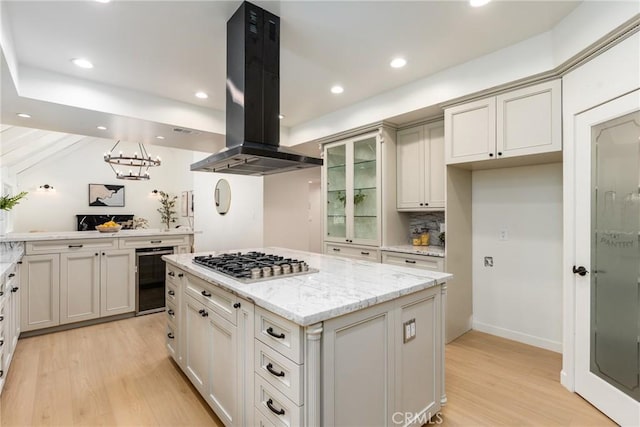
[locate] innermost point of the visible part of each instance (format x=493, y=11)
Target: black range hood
x=253, y=100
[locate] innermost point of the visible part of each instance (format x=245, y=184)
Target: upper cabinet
x=420, y=167
x=517, y=123
x=352, y=191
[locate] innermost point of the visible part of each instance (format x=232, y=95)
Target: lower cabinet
x=215, y=355
x=423, y=262
x=9, y=319
x=366, y=253
x=76, y=286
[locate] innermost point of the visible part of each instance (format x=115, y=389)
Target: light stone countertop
x=95, y=234
x=341, y=286
x=437, y=251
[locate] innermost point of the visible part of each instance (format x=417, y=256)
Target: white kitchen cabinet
x=423, y=262
x=9, y=319
x=352, y=197
x=79, y=286
x=516, y=123
x=420, y=167
x=366, y=253
x=40, y=288
x=222, y=385
x=117, y=282
x=196, y=346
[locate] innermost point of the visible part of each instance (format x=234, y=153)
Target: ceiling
x=171, y=49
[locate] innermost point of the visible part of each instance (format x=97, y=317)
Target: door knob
x=580, y=270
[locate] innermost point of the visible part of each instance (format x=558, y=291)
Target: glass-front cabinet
x=352, y=177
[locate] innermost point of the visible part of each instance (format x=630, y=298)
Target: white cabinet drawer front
x=172, y=341
x=174, y=275
x=417, y=261
x=275, y=406
x=172, y=313
x=280, y=372
x=63, y=246
x=355, y=252
x=172, y=294
x=261, y=420
x=220, y=301
x=153, y=242
x=280, y=334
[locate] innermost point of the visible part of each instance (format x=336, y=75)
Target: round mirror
x=222, y=196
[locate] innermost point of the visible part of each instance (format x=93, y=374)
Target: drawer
x=64, y=246
x=261, y=420
x=280, y=372
x=423, y=262
x=275, y=406
x=174, y=275
x=154, y=241
x=172, y=342
x=280, y=334
x=354, y=252
x=222, y=302
x=172, y=294
x=172, y=313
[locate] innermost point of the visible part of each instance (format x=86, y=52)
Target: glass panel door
x=615, y=253
x=365, y=191
x=336, y=160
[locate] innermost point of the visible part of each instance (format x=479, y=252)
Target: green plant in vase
x=168, y=213
x=359, y=198
x=8, y=202
x=342, y=197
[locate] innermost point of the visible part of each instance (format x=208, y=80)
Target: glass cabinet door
x=365, y=191
x=336, y=161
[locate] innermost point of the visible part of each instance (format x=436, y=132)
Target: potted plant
x=8, y=202
x=168, y=213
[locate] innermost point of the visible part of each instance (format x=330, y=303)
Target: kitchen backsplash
x=429, y=220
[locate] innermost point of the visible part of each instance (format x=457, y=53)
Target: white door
x=607, y=221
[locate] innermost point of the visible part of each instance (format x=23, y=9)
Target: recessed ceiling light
x=281, y=116
x=337, y=89
x=202, y=95
x=398, y=62
x=478, y=3
x=24, y=115
x=101, y=127
x=159, y=137
x=82, y=63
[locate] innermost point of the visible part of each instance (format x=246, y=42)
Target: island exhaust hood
x=253, y=100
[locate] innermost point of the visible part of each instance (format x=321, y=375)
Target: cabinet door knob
x=273, y=371
x=499, y=153
x=12, y=275
x=180, y=275
x=19, y=262
x=421, y=204
x=273, y=409
x=204, y=313
x=171, y=312
x=171, y=273
x=103, y=253
x=1, y=318
x=171, y=292
x=236, y=305
x=280, y=336
x=97, y=254
x=580, y=270
x=14, y=290
x=490, y=154
x=426, y=204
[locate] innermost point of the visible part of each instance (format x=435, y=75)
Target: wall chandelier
x=138, y=164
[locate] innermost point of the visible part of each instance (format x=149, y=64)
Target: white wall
x=71, y=171
x=520, y=297
x=242, y=226
x=287, y=212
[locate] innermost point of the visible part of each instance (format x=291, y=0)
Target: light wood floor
x=119, y=373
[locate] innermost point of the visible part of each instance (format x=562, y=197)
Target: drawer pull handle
x=364, y=253
x=180, y=275
x=156, y=241
x=273, y=409
x=171, y=293
x=170, y=336
x=1, y=318
x=270, y=332
x=336, y=249
x=1, y=373
x=171, y=313
x=1, y=343
x=203, y=313
x=14, y=290
x=75, y=246
x=19, y=262
x=1, y=293
x=171, y=273
x=12, y=275
x=236, y=305
x=205, y=294
x=409, y=261
x=273, y=371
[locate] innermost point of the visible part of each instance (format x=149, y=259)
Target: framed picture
x=106, y=195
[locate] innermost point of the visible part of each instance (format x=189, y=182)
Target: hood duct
x=253, y=100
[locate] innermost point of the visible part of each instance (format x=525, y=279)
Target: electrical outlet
x=504, y=234
x=488, y=261
x=442, y=227
x=409, y=330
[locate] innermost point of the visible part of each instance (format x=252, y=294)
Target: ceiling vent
x=186, y=131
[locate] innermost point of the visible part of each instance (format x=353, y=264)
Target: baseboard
x=518, y=336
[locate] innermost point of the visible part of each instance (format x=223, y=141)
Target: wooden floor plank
x=119, y=374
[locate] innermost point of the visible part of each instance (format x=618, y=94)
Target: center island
x=350, y=343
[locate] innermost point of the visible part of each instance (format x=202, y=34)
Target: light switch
x=409, y=330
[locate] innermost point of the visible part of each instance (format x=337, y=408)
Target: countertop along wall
x=71, y=171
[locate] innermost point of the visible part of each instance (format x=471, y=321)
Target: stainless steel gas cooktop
x=254, y=266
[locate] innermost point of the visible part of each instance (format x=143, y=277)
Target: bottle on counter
x=416, y=238
x=424, y=237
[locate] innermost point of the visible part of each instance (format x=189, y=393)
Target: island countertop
x=72, y=235
x=340, y=286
